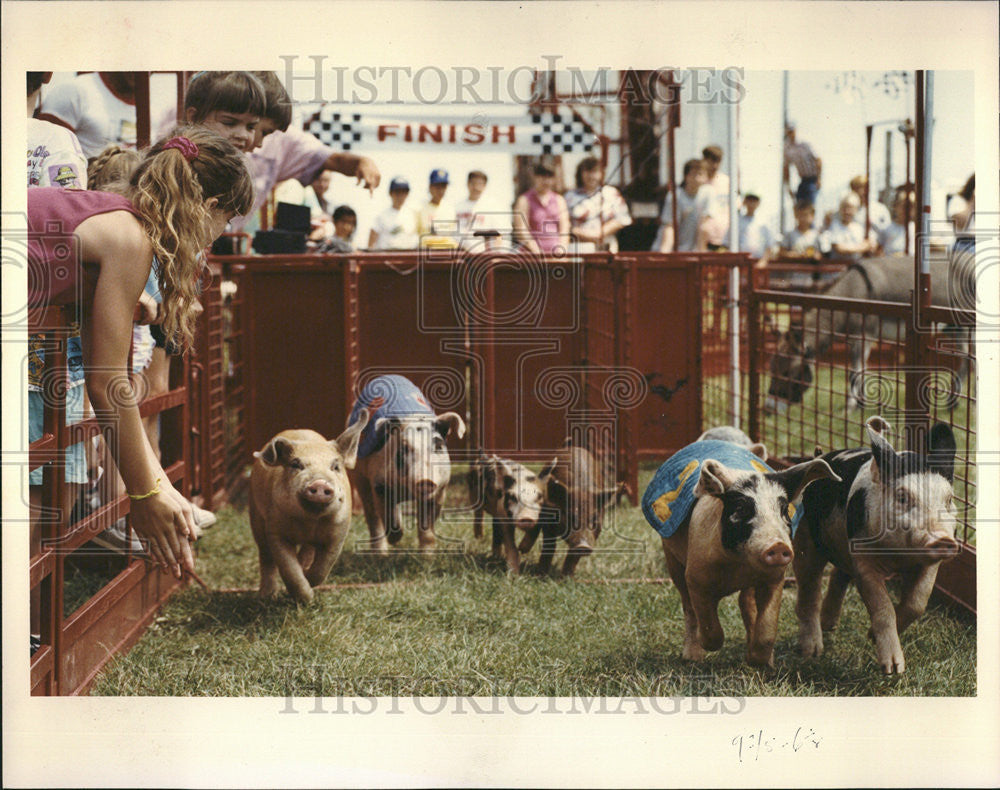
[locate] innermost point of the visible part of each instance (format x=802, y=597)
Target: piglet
x=300, y=506
x=736, y=536
x=513, y=495
x=575, y=501
x=893, y=513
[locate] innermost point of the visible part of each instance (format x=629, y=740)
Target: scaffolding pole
x=735, y=381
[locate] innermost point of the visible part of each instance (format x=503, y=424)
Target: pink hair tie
x=184, y=145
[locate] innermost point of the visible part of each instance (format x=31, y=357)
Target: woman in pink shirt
x=541, y=219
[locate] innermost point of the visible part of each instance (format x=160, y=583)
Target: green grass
x=456, y=624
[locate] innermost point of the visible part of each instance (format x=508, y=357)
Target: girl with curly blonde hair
x=94, y=250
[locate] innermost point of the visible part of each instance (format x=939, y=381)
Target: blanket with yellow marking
x=668, y=499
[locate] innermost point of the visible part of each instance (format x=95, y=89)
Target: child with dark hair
x=345, y=220
x=597, y=211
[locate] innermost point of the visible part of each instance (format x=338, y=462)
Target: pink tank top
x=54, y=264
x=543, y=220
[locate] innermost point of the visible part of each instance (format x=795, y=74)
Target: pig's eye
x=295, y=463
x=438, y=443
x=335, y=466
x=903, y=498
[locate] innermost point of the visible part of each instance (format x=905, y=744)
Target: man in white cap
x=808, y=165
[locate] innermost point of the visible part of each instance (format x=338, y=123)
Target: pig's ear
x=760, y=450
x=556, y=492
x=882, y=452
x=507, y=473
x=547, y=469
x=450, y=421
x=278, y=452
x=713, y=480
x=602, y=498
x=941, y=451
x=347, y=442
x=796, y=478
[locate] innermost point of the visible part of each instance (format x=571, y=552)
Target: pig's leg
x=548, y=549
x=768, y=598
x=693, y=651
x=834, y=599
x=268, y=570
x=307, y=554
x=917, y=588
x=706, y=609
x=498, y=537
x=871, y=585
x=530, y=536
x=748, y=609
x=323, y=562
x=287, y=560
x=427, y=513
x=477, y=524
x=394, y=529
x=373, y=508
x=808, y=563
x=573, y=558
x=509, y=548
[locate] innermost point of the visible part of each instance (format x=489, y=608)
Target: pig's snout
x=425, y=488
x=944, y=545
x=319, y=492
x=777, y=554
x=525, y=523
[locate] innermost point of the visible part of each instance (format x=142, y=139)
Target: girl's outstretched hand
x=161, y=520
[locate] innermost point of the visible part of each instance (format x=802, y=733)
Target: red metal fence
x=912, y=377
x=530, y=349
x=82, y=631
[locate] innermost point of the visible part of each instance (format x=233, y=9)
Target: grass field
x=456, y=624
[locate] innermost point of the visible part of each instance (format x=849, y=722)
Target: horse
x=887, y=279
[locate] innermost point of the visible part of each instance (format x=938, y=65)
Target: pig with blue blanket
x=726, y=521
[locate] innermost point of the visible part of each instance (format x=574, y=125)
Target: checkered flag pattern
x=560, y=133
x=335, y=129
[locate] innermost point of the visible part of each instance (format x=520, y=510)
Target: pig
x=575, y=500
x=893, y=513
x=728, y=433
x=300, y=506
x=513, y=495
x=401, y=457
x=727, y=527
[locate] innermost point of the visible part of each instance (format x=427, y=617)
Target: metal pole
x=868, y=181
x=888, y=162
x=734, y=272
x=925, y=176
x=784, y=126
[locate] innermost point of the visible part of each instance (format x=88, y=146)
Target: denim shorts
x=76, y=458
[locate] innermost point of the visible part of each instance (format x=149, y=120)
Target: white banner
x=530, y=133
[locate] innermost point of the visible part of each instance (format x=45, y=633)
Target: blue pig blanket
x=386, y=396
x=668, y=499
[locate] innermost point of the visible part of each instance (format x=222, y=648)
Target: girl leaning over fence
x=178, y=201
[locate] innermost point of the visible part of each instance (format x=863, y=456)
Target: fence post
x=755, y=353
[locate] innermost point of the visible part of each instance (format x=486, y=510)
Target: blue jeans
x=806, y=193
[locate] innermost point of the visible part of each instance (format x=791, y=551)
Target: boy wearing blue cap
x=395, y=228
x=437, y=216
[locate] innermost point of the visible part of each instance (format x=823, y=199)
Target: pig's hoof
x=394, y=536
x=810, y=644
x=693, y=652
x=829, y=624
x=760, y=660
x=268, y=591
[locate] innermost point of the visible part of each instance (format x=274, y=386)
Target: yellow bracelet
x=154, y=492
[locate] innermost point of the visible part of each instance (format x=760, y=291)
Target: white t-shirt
x=590, y=211
x=893, y=239
x=690, y=210
x=804, y=242
x=848, y=235
x=755, y=236
x=97, y=116
x=55, y=158
x=395, y=229
x=881, y=219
